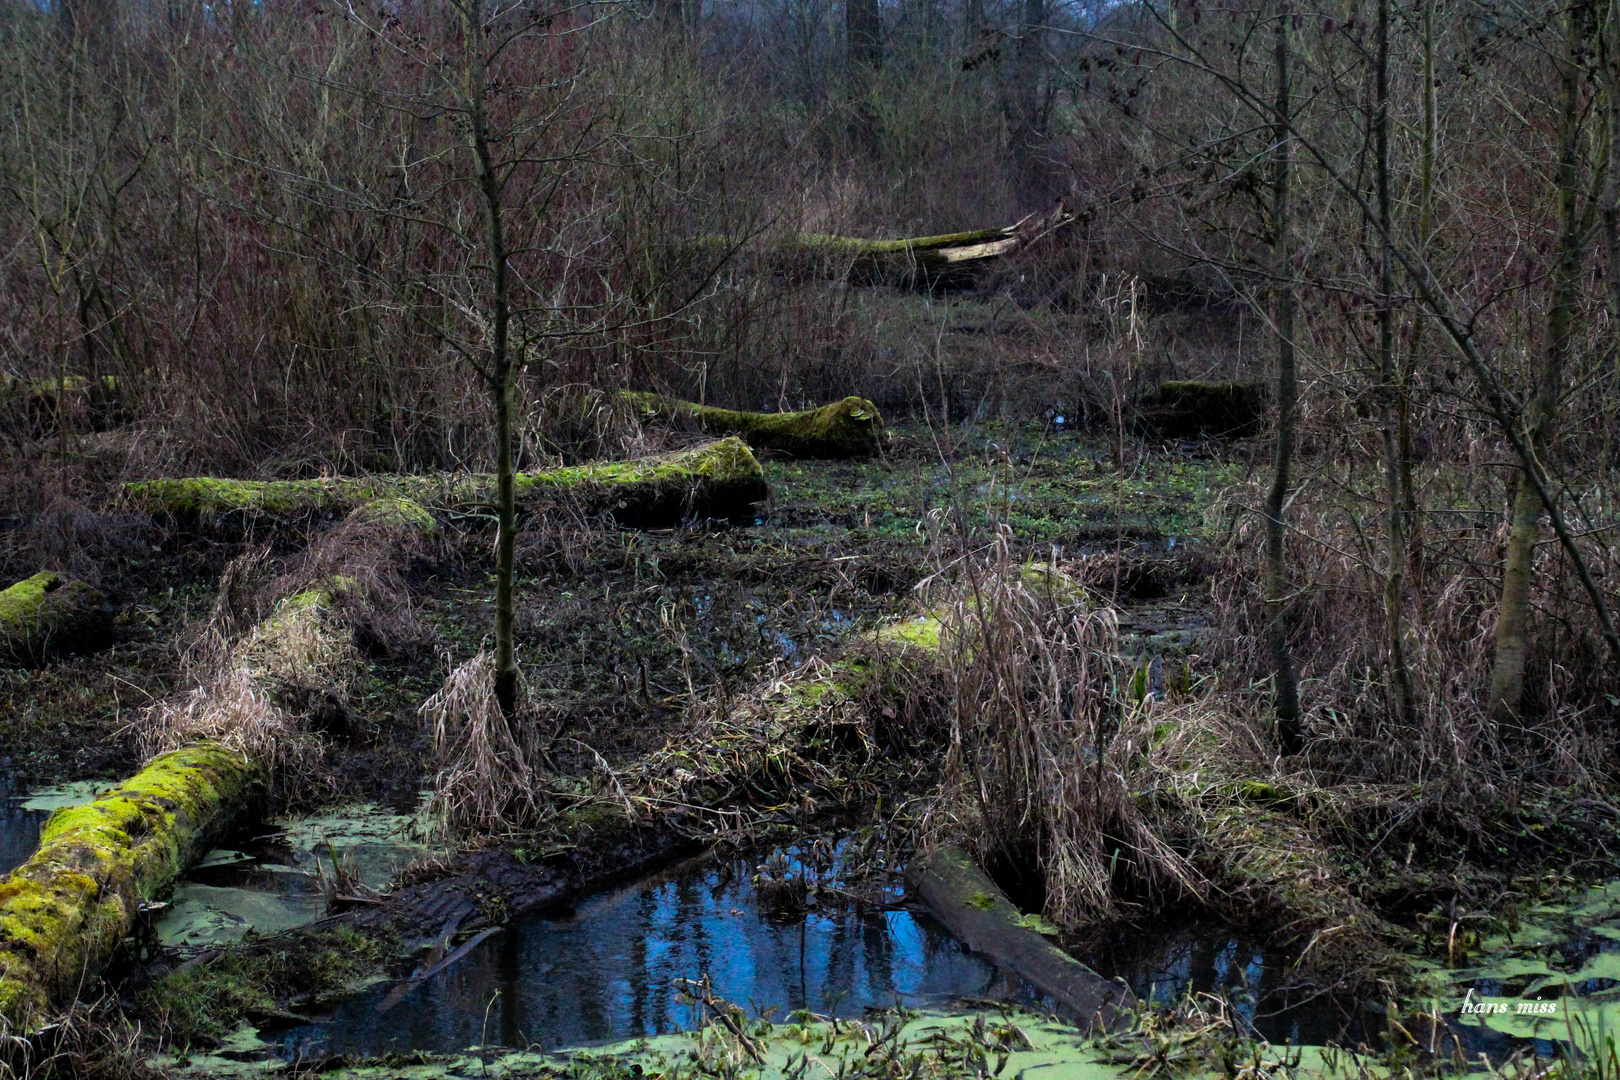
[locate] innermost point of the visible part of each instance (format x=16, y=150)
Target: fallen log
x=719, y=480
x=948, y=261
x=65, y=911
x=976, y=911
x=849, y=428
x=48, y=613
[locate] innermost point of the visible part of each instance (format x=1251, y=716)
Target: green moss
x=849, y=428
x=395, y=511
x=921, y=632
x=64, y=911
x=47, y=612
x=202, y=1005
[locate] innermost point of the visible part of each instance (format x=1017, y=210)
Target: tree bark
x=1400, y=675
x=1505, y=695
x=1285, y=683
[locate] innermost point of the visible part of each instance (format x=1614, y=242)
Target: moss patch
x=48, y=613
x=203, y=1005
x=849, y=428
x=64, y=911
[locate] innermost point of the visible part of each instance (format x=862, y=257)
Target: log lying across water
x=979, y=915
x=849, y=428
x=719, y=480
x=47, y=613
x=65, y=911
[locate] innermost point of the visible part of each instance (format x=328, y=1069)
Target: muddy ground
x=624, y=634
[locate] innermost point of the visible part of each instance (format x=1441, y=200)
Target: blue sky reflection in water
x=615, y=969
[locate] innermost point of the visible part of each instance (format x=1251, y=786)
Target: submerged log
x=949, y=260
x=64, y=911
x=48, y=613
x=976, y=911
x=719, y=480
x=849, y=428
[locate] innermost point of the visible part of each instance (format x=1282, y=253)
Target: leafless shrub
x=486, y=783
x=1045, y=743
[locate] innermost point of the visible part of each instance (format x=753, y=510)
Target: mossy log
x=980, y=916
x=49, y=613
x=65, y=911
x=849, y=428
x=1192, y=409
x=949, y=260
x=720, y=480
x=37, y=402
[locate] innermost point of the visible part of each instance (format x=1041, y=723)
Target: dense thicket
x=244, y=239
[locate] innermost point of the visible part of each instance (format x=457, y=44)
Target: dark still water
x=617, y=968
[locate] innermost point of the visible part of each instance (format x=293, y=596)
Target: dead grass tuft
x=486, y=781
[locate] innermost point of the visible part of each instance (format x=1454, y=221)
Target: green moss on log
x=1190, y=409
x=720, y=479
x=849, y=428
x=65, y=911
x=48, y=613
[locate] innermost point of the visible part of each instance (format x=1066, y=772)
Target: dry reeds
x=486, y=783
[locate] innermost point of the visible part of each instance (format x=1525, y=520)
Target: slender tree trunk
x=1388, y=393
x=1408, y=451
x=1513, y=616
x=1285, y=683
x=1611, y=173
x=501, y=371
x=863, y=33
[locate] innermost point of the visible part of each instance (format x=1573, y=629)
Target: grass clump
x=202, y=1004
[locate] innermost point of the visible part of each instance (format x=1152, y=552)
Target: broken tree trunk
x=719, y=480
x=980, y=916
x=65, y=911
x=947, y=261
x=48, y=613
x=849, y=428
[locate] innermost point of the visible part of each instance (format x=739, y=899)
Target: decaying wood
x=948, y=261
x=849, y=428
x=719, y=480
x=48, y=613
x=979, y=915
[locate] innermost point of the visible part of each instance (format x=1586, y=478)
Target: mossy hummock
x=718, y=480
x=65, y=911
x=850, y=428
x=48, y=613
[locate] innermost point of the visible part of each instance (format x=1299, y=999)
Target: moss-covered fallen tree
x=48, y=613
x=719, y=480
x=849, y=428
x=65, y=910
x=948, y=260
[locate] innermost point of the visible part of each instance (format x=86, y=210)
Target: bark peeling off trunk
x=64, y=911
x=47, y=613
x=849, y=428
x=721, y=479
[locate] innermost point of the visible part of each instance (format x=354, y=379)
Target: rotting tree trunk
x=65, y=911
x=950, y=260
x=48, y=613
x=1504, y=697
x=721, y=479
x=980, y=916
x=1285, y=683
x=849, y=428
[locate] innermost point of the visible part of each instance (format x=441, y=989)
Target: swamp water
x=617, y=967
